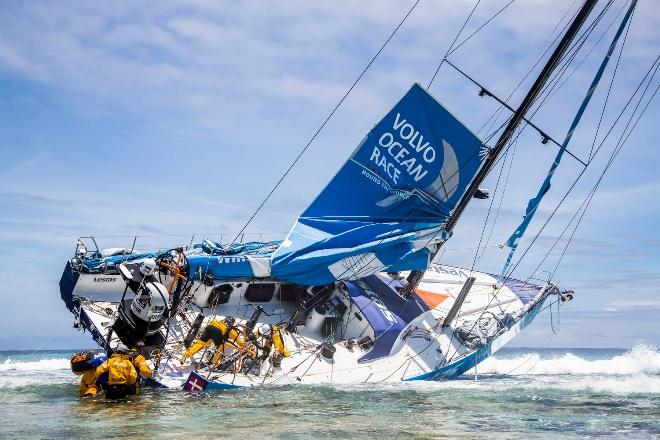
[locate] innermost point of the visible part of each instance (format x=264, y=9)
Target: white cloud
x=632, y=304
x=214, y=99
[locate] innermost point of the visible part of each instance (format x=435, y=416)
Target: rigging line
x=452, y=44
x=553, y=85
x=654, y=68
x=572, y=51
x=616, y=68
x=334, y=110
x=531, y=69
x=481, y=27
x=590, y=153
x=575, y=69
x=539, y=59
x=499, y=207
x=593, y=192
x=490, y=207
x=584, y=58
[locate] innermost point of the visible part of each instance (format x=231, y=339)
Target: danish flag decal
x=195, y=382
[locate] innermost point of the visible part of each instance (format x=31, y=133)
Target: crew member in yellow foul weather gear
x=88, y=386
x=272, y=337
x=84, y=364
x=122, y=374
x=216, y=333
x=139, y=362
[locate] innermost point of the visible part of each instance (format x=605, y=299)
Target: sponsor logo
x=448, y=270
x=104, y=279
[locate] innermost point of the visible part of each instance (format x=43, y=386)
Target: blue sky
x=167, y=120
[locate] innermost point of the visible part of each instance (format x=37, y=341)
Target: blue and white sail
x=387, y=205
x=385, y=208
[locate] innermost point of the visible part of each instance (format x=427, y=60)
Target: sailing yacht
x=352, y=294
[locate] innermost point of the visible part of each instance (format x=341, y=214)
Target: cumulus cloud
x=177, y=117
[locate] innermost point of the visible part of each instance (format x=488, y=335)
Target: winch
x=144, y=305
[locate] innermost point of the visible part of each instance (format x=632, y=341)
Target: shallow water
x=521, y=393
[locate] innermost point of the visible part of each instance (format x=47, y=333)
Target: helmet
x=264, y=329
x=121, y=349
x=148, y=267
x=230, y=320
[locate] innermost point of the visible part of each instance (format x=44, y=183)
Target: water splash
x=641, y=359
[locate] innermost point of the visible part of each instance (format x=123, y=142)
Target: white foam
x=15, y=374
x=635, y=371
x=35, y=366
x=641, y=359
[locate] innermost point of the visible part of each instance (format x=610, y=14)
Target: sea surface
x=519, y=393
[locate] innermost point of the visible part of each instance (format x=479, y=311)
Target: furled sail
x=382, y=211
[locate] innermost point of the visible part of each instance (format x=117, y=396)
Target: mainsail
x=389, y=201
x=382, y=211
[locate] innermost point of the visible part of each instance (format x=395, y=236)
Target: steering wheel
x=175, y=265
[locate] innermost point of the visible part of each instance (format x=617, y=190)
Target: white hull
x=420, y=348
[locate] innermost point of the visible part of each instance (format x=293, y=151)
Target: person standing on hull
x=216, y=333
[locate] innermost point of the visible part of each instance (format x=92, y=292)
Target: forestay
x=385, y=207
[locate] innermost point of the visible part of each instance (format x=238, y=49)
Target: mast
x=416, y=276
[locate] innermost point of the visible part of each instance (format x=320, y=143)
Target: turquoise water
x=520, y=393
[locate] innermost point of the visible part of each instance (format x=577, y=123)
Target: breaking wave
x=15, y=373
x=641, y=359
x=33, y=366
x=634, y=371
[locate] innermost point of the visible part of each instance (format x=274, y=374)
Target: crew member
x=122, y=374
x=140, y=363
x=272, y=337
x=216, y=333
x=84, y=364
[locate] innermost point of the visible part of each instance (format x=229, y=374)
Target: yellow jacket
x=88, y=384
x=120, y=369
x=140, y=363
x=233, y=335
x=278, y=342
